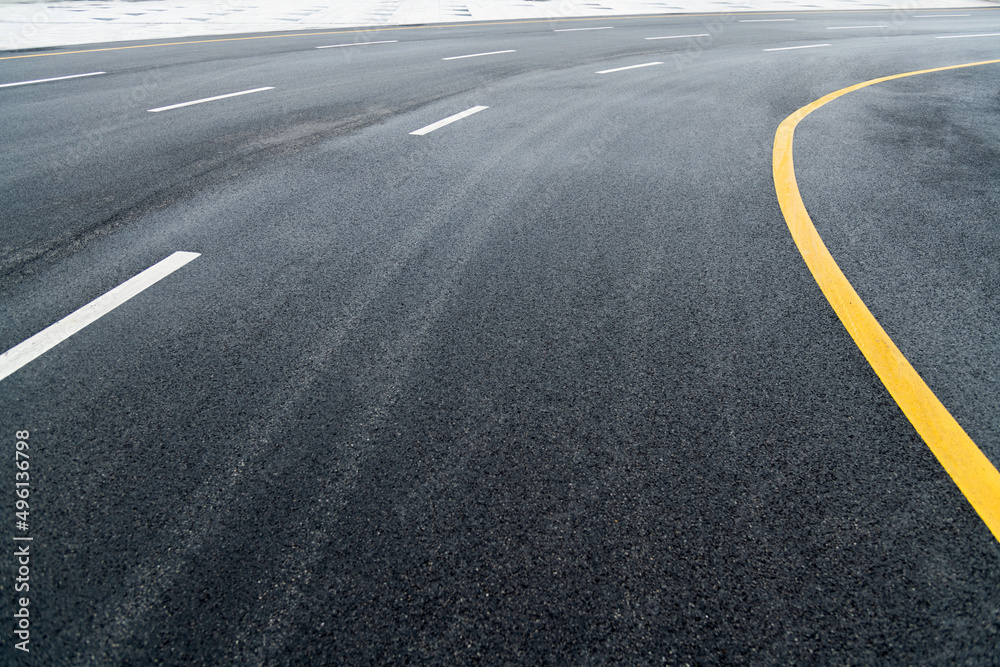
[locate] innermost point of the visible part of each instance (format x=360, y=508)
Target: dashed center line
x=791, y=48
x=209, y=99
x=55, y=78
x=703, y=34
x=48, y=338
x=854, y=27
x=764, y=20
x=447, y=121
x=476, y=55
x=337, y=46
x=607, y=27
x=985, y=34
x=621, y=69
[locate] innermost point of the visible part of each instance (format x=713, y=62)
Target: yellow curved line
x=975, y=476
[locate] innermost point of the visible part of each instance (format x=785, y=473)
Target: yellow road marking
x=445, y=25
x=971, y=471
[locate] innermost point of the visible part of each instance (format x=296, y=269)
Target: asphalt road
x=548, y=384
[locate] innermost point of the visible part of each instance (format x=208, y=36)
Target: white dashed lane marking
x=48, y=338
x=55, y=78
x=448, y=121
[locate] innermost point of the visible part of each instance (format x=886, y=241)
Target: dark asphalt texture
x=549, y=385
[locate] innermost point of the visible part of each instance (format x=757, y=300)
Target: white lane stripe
x=337, y=46
x=55, y=78
x=704, y=34
x=474, y=55
x=936, y=16
x=619, y=69
x=448, y=120
x=790, y=48
x=48, y=338
x=608, y=27
x=985, y=34
x=764, y=20
x=852, y=27
x=209, y=99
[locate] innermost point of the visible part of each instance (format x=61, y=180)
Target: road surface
x=549, y=383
